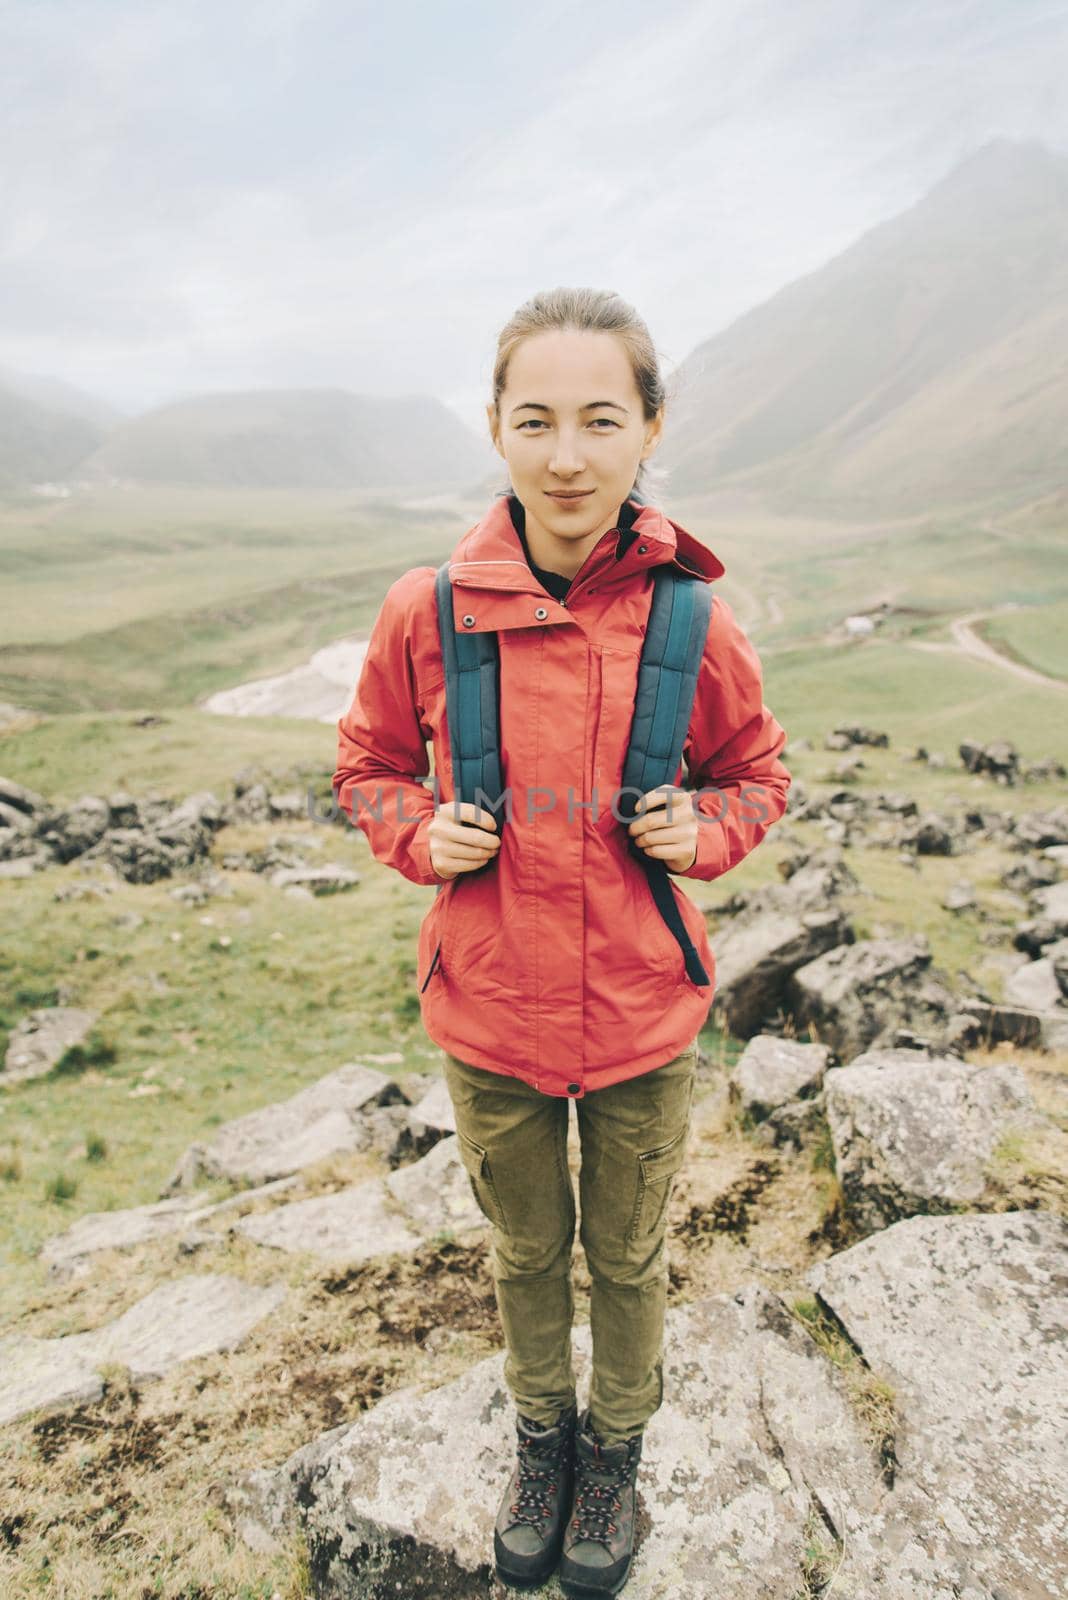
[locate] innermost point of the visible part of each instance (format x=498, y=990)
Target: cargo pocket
x=657, y=1169
x=480, y=1176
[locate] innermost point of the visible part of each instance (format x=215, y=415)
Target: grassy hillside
x=1038, y=637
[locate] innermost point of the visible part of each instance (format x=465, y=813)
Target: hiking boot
x=535, y=1505
x=599, y=1536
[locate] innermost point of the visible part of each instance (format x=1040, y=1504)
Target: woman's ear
x=494, y=432
x=653, y=429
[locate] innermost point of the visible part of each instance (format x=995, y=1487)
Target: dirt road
x=967, y=642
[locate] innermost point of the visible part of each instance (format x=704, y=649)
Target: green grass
x=916, y=697
x=1038, y=637
x=211, y=1032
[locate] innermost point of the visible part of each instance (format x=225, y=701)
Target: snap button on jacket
x=553, y=963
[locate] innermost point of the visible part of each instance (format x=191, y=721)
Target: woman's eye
x=536, y=422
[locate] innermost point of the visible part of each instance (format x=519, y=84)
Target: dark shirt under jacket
x=555, y=582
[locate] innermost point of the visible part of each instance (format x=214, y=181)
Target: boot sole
x=516, y=1580
x=576, y=1590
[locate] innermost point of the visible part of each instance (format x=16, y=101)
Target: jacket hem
x=592, y=1078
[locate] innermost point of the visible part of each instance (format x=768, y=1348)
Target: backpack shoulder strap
x=472, y=703
x=667, y=680
x=672, y=651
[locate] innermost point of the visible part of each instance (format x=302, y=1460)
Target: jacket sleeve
x=382, y=753
x=732, y=751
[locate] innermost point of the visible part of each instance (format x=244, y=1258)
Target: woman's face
x=570, y=418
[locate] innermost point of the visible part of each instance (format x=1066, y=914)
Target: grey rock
x=959, y=897
x=999, y=758
x=435, y=1110
x=913, y=1132
x=177, y=1321
x=856, y=996
x=1031, y=873
x=778, y=1081
x=755, y=957
x=967, y=1318
x=756, y=1442
x=394, y=1215
x=1034, y=986
x=39, y=1039
x=1040, y=830
x=22, y=865
x=1057, y=955
x=21, y=799
x=289, y=1135
x=330, y=879
x=1049, y=922
x=74, y=830
x=430, y=1119
x=928, y=834
x=68, y=1254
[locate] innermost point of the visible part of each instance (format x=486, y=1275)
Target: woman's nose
x=566, y=456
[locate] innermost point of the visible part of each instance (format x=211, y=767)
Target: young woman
x=546, y=970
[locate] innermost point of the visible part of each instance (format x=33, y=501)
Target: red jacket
x=555, y=965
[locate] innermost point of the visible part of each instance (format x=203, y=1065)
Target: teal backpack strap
x=667, y=682
x=472, y=702
x=472, y=686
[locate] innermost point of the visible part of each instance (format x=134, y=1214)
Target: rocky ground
x=283, y=1376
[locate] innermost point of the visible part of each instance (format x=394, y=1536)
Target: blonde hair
x=604, y=311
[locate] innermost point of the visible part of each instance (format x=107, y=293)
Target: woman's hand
x=666, y=827
x=461, y=845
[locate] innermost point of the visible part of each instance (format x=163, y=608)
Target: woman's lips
x=556, y=494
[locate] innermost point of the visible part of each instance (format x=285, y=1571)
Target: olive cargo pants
x=633, y=1137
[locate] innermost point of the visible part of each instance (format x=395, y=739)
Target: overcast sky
x=296, y=193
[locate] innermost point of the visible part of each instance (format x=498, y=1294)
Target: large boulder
x=756, y=955
x=966, y=1319
x=859, y=995
x=1048, y=922
x=913, y=1132
x=191, y=1316
x=1035, y=986
x=777, y=1083
x=381, y=1216
x=329, y=1116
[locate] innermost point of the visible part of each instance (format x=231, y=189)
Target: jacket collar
x=490, y=555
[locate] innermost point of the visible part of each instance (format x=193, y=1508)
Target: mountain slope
x=927, y=364
x=41, y=441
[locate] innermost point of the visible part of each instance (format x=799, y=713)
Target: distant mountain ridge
x=47, y=427
x=295, y=438
x=925, y=365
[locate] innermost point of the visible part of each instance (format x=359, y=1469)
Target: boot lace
x=538, y=1470
x=597, y=1499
